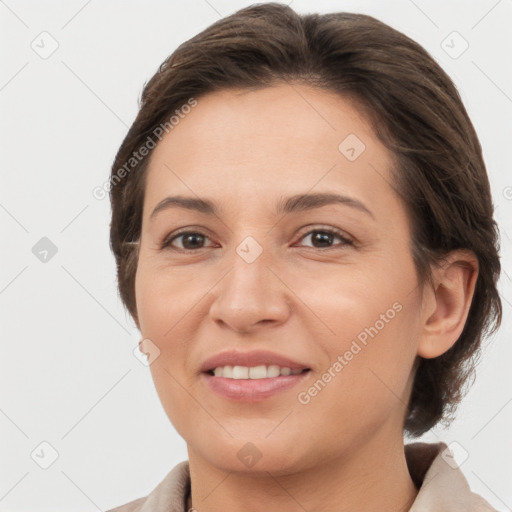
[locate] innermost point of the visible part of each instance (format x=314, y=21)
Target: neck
x=367, y=479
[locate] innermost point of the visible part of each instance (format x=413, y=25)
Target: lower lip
x=252, y=390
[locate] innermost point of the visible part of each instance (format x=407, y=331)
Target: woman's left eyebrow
x=302, y=202
x=296, y=203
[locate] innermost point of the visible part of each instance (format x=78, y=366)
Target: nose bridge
x=250, y=293
x=249, y=265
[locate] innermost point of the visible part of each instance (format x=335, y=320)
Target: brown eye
x=324, y=238
x=187, y=241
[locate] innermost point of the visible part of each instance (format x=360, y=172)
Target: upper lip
x=253, y=358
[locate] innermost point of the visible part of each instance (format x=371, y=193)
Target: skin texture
x=245, y=151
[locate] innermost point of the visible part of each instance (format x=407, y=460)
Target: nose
x=249, y=297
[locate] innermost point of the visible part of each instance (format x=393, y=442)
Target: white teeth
x=258, y=372
x=253, y=372
x=273, y=371
x=240, y=372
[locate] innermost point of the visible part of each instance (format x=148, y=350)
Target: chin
x=252, y=456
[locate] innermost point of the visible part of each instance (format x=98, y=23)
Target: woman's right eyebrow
x=191, y=203
x=296, y=203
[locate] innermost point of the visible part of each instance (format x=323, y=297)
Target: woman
x=304, y=236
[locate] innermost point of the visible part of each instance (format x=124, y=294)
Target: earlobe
x=448, y=303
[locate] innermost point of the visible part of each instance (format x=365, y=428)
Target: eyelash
x=166, y=244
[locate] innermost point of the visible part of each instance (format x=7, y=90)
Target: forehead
x=256, y=145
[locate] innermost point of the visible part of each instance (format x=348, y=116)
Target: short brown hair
x=416, y=112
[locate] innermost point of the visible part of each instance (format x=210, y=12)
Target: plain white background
x=68, y=374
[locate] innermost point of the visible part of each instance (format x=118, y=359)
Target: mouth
x=252, y=377
x=254, y=372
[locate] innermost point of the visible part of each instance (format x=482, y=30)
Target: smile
x=253, y=372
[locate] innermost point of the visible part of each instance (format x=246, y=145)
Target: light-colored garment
x=442, y=485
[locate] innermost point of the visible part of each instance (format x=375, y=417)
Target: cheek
x=163, y=296
x=168, y=308
x=159, y=316
x=168, y=314
x=370, y=361
x=371, y=345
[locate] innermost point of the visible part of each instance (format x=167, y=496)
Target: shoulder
x=168, y=496
x=442, y=485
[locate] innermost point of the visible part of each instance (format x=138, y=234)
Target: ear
x=446, y=302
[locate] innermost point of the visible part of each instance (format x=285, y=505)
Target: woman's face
x=323, y=283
